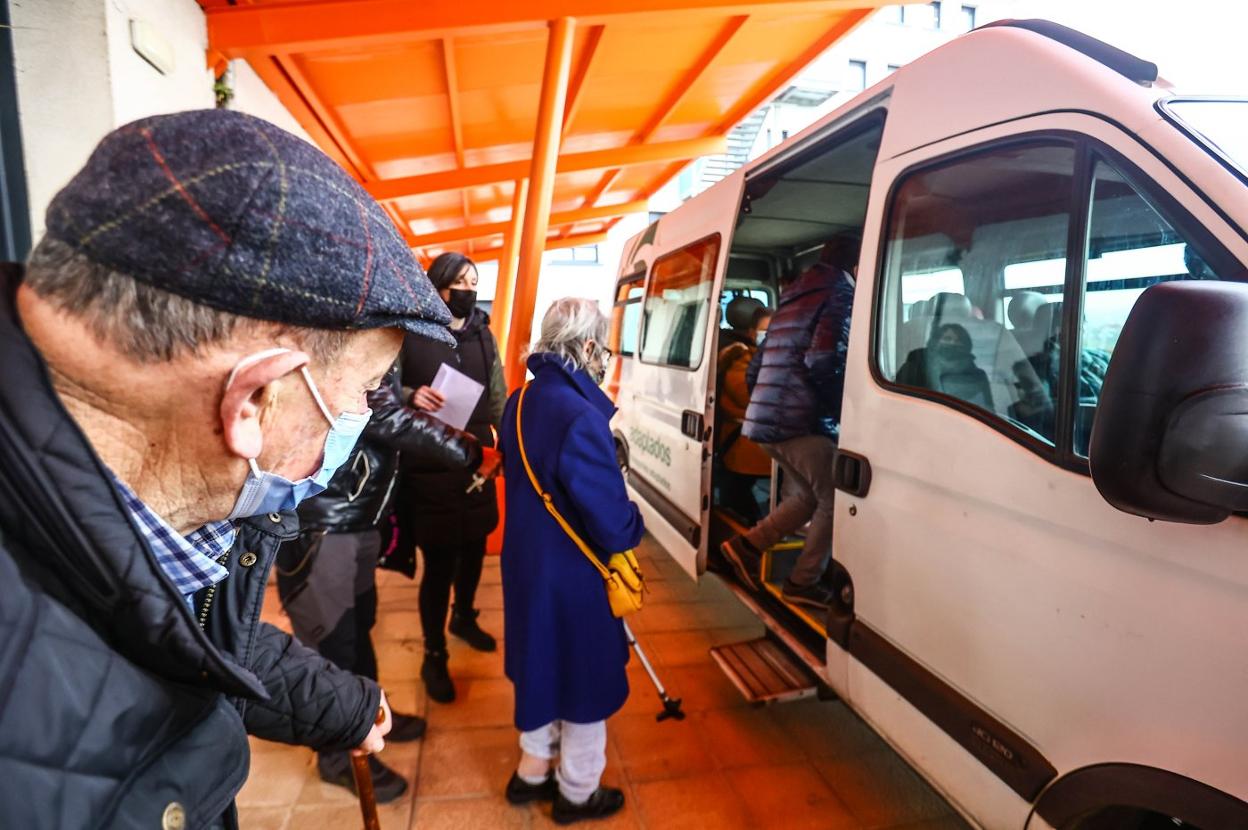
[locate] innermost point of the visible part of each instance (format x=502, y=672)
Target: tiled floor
x=728, y=765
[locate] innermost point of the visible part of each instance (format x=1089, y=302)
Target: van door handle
x=851, y=473
x=691, y=424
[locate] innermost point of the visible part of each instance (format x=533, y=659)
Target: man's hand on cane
x=375, y=741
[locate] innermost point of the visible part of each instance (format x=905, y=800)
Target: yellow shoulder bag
x=621, y=575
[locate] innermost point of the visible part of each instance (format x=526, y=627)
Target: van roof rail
x=1124, y=63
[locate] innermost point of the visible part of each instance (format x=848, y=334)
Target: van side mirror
x=1170, y=439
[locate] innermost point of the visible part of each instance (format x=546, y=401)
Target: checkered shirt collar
x=191, y=562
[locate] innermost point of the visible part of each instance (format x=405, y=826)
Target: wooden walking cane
x=364, y=782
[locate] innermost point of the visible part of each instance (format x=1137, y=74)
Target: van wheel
x=1126, y=818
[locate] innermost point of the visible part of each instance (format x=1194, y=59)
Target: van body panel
x=654, y=401
x=1029, y=74
x=1010, y=578
x=971, y=787
x=1094, y=635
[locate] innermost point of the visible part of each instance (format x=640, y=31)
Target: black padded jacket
x=116, y=709
x=360, y=493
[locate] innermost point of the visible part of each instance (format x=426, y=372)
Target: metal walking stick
x=671, y=706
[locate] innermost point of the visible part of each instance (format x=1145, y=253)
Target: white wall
x=64, y=94
x=139, y=90
x=78, y=78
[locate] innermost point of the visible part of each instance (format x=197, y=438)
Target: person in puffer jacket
x=797, y=379
x=326, y=577
x=183, y=360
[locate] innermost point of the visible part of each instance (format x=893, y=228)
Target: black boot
x=520, y=791
x=404, y=728
x=606, y=801
x=335, y=768
x=464, y=626
x=437, y=679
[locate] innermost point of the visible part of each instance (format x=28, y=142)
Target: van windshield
x=1220, y=125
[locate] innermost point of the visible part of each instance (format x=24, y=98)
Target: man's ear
x=246, y=397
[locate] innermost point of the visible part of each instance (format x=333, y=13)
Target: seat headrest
x=1048, y=319
x=1023, y=307
x=947, y=305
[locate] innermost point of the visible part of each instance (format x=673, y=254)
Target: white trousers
x=582, y=752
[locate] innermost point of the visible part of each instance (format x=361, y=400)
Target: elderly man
x=185, y=359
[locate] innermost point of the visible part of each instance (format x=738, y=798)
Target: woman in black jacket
x=449, y=524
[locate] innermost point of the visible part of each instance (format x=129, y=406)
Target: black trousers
x=447, y=565
x=327, y=583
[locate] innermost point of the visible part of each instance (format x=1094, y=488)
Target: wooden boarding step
x=764, y=672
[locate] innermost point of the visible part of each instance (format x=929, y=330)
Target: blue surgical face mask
x=263, y=492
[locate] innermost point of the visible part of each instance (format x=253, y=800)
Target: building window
x=968, y=18
x=892, y=67
x=580, y=255
x=895, y=14
x=923, y=15
x=857, y=80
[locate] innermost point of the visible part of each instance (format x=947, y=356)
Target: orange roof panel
x=447, y=91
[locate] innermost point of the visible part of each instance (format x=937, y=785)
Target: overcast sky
x=1198, y=45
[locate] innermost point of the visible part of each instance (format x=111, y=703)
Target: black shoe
x=816, y=595
x=606, y=801
x=404, y=728
x=745, y=560
x=335, y=768
x=464, y=626
x=520, y=791
x=437, y=679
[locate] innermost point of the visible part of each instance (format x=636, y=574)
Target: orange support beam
x=577, y=85
x=763, y=88
x=509, y=260
x=508, y=171
x=496, y=253
x=767, y=85
x=312, y=25
x=541, y=189
x=276, y=78
x=570, y=217
x=674, y=97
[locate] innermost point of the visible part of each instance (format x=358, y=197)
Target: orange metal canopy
x=433, y=104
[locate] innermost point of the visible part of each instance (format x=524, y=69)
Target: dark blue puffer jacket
x=797, y=377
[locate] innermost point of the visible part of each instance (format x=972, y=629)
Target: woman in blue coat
x=565, y=652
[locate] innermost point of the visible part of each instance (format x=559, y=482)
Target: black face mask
x=952, y=351
x=461, y=303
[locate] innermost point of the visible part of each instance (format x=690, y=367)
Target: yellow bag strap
x=546, y=499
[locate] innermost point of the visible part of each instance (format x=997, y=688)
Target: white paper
x=461, y=393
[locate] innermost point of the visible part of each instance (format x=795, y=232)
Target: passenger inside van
x=797, y=379
x=744, y=468
x=947, y=364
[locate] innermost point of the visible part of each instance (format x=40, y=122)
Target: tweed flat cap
x=232, y=212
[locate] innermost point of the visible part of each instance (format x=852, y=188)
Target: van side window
x=1130, y=247
x=677, y=304
x=975, y=262
x=627, y=315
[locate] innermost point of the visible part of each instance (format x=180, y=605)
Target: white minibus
x=1041, y=579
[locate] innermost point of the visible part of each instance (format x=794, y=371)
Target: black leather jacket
x=359, y=494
